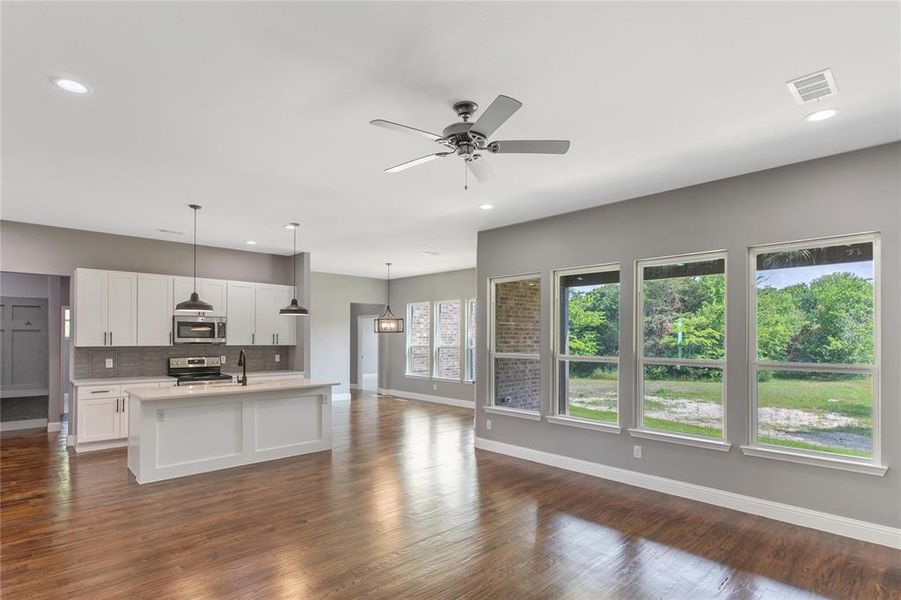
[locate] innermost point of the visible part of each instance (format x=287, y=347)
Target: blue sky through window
x=780, y=278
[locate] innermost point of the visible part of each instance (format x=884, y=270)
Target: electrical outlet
x=488, y=424
x=434, y=387
x=278, y=358
x=222, y=359
x=109, y=363
x=636, y=451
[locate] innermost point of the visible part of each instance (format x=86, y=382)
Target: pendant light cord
x=294, y=259
x=388, y=294
x=195, y=249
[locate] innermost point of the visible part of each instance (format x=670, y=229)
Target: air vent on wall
x=812, y=87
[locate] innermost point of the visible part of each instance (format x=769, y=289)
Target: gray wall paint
x=329, y=323
x=27, y=248
x=360, y=310
x=437, y=286
x=850, y=193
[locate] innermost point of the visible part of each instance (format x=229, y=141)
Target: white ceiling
x=260, y=112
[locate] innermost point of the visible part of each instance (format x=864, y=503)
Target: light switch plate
x=434, y=387
x=488, y=424
x=278, y=358
x=222, y=359
x=109, y=363
x=636, y=451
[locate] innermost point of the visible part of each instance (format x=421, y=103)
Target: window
x=814, y=357
x=470, y=349
x=516, y=342
x=682, y=345
x=419, y=351
x=448, y=322
x=586, y=350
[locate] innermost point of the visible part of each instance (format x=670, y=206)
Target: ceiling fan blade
x=405, y=129
x=494, y=116
x=416, y=161
x=529, y=147
x=479, y=167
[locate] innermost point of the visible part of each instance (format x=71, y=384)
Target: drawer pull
x=100, y=391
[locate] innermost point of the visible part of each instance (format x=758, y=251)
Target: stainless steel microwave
x=194, y=329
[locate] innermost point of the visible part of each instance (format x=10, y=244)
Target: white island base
x=179, y=431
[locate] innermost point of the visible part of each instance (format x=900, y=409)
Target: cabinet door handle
x=110, y=338
x=104, y=338
x=276, y=339
x=117, y=406
x=170, y=338
x=99, y=391
x=252, y=338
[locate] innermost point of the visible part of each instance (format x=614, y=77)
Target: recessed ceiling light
x=486, y=206
x=71, y=86
x=251, y=242
x=291, y=226
x=172, y=231
x=821, y=115
x=430, y=253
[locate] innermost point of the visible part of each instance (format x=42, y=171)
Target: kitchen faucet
x=242, y=362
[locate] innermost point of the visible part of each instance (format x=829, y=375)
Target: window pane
x=471, y=341
x=588, y=390
x=517, y=321
x=449, y=322
x=589, y=319
x=684, y=399
x=684, y=310
x=419, y=324
x=448, y=365
x=419, y=361
x=517, y=383
x=816, y=305
x=826, y=412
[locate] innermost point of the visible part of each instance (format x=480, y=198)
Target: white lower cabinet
x=102, y=417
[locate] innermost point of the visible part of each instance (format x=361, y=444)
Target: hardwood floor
x=403, y=507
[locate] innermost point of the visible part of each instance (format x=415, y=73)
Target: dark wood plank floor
x=403, y=507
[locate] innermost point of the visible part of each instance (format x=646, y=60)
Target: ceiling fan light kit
x=469, y=139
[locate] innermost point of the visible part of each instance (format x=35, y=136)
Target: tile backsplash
x=146, y=361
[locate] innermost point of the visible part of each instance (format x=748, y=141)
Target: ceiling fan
x=470, y=139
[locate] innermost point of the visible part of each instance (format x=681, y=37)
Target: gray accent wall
x=451, y=285
x=329, y=322
x=850, y=193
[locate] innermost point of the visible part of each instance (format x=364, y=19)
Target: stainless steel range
x=197, y=370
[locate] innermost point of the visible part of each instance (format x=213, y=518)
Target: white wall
x=331, y=297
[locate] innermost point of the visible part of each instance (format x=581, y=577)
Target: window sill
x=512, y=412
x=583, y=423
x=843, y=464
x=412, y=376
x=447, y=380
x=685, y=440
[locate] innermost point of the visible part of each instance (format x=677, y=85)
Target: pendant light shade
x=194, y=303
x=389, y=322
x=294, y=309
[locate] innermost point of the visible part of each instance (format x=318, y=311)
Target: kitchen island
x=185, y=430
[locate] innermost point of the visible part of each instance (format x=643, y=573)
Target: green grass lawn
x=850, y=397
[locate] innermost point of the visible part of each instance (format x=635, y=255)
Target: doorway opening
x=367, y=355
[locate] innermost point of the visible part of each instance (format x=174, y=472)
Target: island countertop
x=146, y=393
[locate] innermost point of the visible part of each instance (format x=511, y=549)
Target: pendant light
x=294, y=309
x=388, y=322
x=194, y=303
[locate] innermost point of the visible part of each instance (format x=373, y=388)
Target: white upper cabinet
x=106, y=308
x=286, y=329
x=91, y=297
x=239, y=328
x=267, y=299
x=123, y=309
x=154, y=310
x=213, y=291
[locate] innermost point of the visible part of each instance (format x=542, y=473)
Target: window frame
x=700, y=441
x=872, y=465
x=436, y=338
x=557, y=357
x=409, y=346
x=490, y=407
x=469, y=365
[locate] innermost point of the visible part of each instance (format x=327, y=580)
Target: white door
x=367, y=355
x=239, y=325
x=98, y=419
x=214, y=291
x=154, y=310
x=90, y=307
x=266, y=311
x=123, y=309
x=286, y=326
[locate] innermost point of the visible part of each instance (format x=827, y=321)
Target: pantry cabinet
x=106, y=308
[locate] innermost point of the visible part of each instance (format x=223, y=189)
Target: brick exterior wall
x=420, y=359
x=450, y=320
x=517, y=327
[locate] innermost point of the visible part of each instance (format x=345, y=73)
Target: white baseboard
x=23, y=424
x=91, y=447
x=340, y=396
x=71, y=440
x=853, y=528
x=354, y=386
x=54, y=426
x=428, y=398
